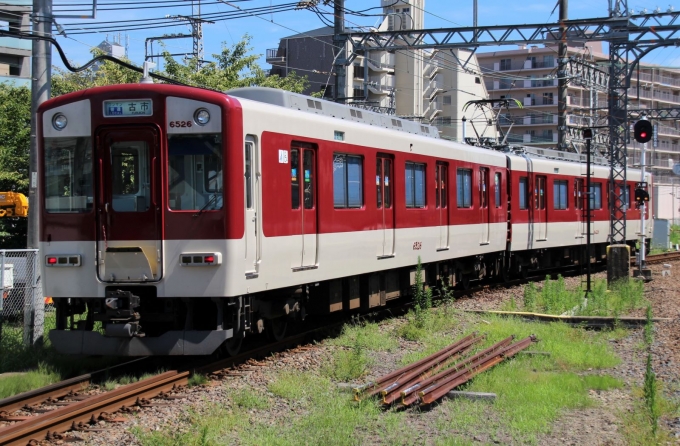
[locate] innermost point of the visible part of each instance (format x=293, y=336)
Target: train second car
x=176, y=221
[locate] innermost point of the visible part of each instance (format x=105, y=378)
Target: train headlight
x=201, y=116
x=59, y=121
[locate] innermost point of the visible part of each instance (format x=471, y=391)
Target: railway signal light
x=641, y=196
x=642, y=131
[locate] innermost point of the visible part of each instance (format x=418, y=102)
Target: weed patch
x=553, y=297
x=15, y=384
x=248, y=399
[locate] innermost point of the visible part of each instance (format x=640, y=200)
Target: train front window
x=68, y=175
x=130, y=176
x=195, y=172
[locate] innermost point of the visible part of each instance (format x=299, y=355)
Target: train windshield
x=68, y=175
x=195, y=172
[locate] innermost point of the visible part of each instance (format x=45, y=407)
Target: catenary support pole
x=41, y=75
x=562, y=81
x=340, y=44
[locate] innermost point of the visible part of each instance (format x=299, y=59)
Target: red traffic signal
x=643, y=131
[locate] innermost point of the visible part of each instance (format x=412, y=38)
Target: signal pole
x=41, y=75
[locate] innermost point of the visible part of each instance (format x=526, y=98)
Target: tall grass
x=553, y=297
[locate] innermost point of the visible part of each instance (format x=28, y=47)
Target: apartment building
x=427, y=86
x=15, y=54
x=525, y=74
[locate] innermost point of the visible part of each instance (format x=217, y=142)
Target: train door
x=385, y=204
x=484, y=205
x=442, y=203
x=128, y=205
x=579, y=208
x=303, y=181
x=251, y=183
x=541, y=214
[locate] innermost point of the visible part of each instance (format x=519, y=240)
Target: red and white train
x=175, y=220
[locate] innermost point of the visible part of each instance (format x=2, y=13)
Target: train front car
x=137, y=211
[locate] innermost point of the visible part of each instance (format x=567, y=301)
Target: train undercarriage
x=134, y=321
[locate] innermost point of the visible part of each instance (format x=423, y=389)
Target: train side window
x=523, y=190
x=560, y=188
x=378, y=182
x=308, y=166
x=578, y=193
x=248, y=175
x=624, y=192
x=415, y=185
x=347, y=181
x=483, y=187
x=497, y=189
x=387, y=164
x=596, y=196
x=540, y=193
x=464, y=188
x=195, y=178
x=294, y=178
x=441, y=189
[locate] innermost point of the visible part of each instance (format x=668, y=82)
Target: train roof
x=309, y=104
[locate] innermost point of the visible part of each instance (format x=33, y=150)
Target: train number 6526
x=180, y=124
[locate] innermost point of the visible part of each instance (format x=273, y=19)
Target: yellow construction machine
x=13, y=204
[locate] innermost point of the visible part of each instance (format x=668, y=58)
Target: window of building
x=547, y=99
x=560, y=188
x=358, y=71
x=464, y=188
x=347, y=181
x=523, y=190
x=415, y=185
x=506, y=64
x=358, y=93
x=596, y=196
x=497, y=189
x=447, y=100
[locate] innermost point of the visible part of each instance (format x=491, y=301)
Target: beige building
x=529, y=76
x=15, y=53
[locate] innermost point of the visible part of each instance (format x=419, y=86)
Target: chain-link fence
x=25, y=315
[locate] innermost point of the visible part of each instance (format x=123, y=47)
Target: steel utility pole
x=562, y=80
x=41, y=75
x=340, y=44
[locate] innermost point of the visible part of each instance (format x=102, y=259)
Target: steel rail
x=659, y=258
x=410, y=394
x=395, y=392
x=432, y=394
x=39, y=427
x=59, y=389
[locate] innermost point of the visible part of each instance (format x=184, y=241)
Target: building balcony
x=432, y=90
x=431, y=69
x=16, y=81
x=666, y=97
x=276, y=56
x=17, y=44
x=668, y=130
x=380, y=84
x=666, y=80
x=431, y=112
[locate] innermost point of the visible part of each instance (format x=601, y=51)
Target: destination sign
x=136, y=107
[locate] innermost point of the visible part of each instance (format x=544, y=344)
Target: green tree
x=233, y=67
x=15, y=139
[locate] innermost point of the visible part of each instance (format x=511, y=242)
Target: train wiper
x=213, y=198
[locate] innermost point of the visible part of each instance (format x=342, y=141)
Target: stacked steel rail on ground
x=431, y=378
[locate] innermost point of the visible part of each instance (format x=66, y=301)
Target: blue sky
x=266, y=33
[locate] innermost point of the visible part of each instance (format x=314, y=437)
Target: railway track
x=64, y=408
x=659, y=258
x=72, y=410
